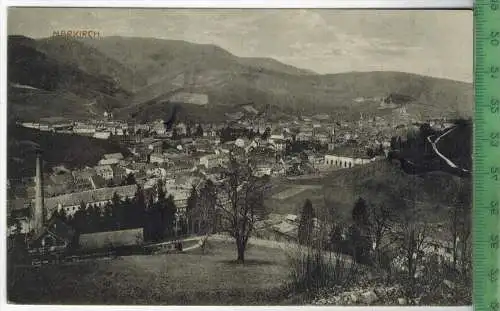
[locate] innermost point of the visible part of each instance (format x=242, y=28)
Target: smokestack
x=39, y=212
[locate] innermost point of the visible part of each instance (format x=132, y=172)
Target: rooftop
x=96, y=195
x=349, y=151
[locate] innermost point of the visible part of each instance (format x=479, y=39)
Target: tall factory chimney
x=39, y=212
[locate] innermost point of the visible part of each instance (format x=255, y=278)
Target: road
x=436, y=150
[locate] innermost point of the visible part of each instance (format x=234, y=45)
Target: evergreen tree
x=169, y=217
x=336, y=238
x=127, y=202
x=151, y=201
x=158, y=213
x=360, y=231
x=306, y=224
x=63, y=216
x=115, y=200
x=79, y=218
x=149, y=218
x=56, y=214
x=154, y=222
x=139, y=207
x=94, y=218
x=130, y=179
x=354, y=236
x=127, y=213
x=191, y=209
x=160, y=191
x=117, y=209
x=88, y=218
x=108, y=216
x=251, y=134
x=360, y=214
x=267, y=133
x=226, y=134
x=380, y=150
x=206, y=207
x=394, y=143
x=199, y=131
x=425, y=130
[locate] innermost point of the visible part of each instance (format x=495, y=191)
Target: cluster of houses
x=96, y=129
x=154, y=154
x=184, y=155
x=177, y=168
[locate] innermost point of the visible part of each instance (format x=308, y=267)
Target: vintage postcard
x=239, y=156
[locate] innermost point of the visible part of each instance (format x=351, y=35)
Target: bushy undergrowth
x=313, y=269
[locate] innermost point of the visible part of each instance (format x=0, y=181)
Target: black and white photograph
x=282, y=157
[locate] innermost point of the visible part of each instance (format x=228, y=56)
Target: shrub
x=312, y=269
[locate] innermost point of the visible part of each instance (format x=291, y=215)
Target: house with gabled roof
x=56, y=236
x=99, y=197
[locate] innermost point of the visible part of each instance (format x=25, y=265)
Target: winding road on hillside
x=436, y=150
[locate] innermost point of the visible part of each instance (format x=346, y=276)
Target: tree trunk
x=454, y=245
x=464, y=257
x=455, y=251
x=411, y=276
x=241, y=251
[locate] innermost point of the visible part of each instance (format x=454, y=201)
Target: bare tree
x=382, y=219
x=240, y=200
x=465, y=228
x=380, y=224
x=454, y=232
x=411, y=236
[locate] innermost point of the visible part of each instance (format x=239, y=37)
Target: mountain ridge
x=131, y=75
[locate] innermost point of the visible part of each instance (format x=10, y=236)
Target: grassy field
x=294, y=191
x=337, y=189
x=292, y=204
x=181, y=279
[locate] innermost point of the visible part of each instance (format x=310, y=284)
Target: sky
x=429, y=42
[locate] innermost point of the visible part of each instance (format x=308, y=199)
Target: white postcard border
x=339, y=4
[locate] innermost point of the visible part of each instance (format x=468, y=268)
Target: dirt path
x=290, y=247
